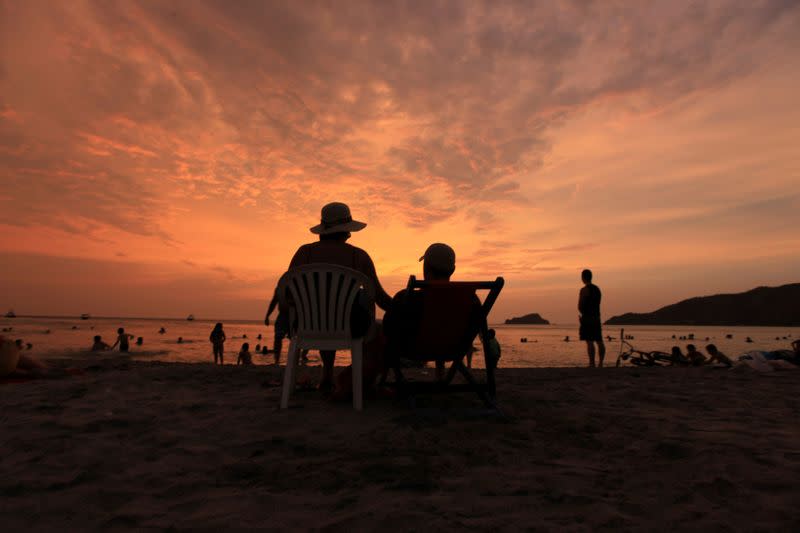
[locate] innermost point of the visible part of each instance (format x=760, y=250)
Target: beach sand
x=140, y=445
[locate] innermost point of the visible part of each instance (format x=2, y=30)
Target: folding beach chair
x=320, y=298
x=451, y=317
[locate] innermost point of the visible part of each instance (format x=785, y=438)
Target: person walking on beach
x=217, y=339
x=123, y=339
x=590, y=328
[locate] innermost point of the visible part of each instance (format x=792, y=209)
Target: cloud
x=141, y=120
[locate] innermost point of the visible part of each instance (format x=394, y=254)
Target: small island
x=531, y=319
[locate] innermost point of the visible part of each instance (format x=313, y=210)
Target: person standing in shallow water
x=217, y=339
x=122, y=339
x=589, y=308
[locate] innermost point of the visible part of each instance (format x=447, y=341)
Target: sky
x=161, y=158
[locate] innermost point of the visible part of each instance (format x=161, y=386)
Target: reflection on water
x=545, y=345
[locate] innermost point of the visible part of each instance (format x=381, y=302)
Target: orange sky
x=167, y=158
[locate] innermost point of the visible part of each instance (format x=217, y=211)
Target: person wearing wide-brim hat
x=335, y=228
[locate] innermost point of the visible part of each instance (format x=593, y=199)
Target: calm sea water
x=545, y=347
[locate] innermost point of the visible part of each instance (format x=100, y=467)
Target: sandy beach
x=139, y=445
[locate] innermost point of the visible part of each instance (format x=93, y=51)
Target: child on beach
x=99, y=345
x=245, y=358
x=217, y=339
x=123, y=340
x=715, y=356
x=492, y=348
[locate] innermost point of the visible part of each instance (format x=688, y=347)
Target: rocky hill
x=762, y=306
x=533, y=318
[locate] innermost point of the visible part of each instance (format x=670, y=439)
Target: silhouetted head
x=121, y=331
x=246, y=347
x=711, y=349
x=140, y=340
x=490, y=333
x=691, y=348
x=586, y=275
x=676, y=350
x=97, y=338
x=335, y=218
x=439, y=262
x=18, y=342
x=218, y=326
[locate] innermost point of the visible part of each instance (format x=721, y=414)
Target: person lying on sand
x=99, y=345
x=697, y=358
x=15, y=364
x=677, y=356
x=245, y=358
x=715, y=356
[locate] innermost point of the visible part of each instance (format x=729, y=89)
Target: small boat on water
x=190, y=317
x=11, y=314
x=86, y=316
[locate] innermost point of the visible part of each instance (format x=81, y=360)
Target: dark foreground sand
x=149, y=445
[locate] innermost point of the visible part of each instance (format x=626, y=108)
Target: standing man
x=589, y=308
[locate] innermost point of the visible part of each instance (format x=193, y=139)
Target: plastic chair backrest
x=320, y=299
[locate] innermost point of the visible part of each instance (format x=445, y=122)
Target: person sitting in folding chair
x=437, y=320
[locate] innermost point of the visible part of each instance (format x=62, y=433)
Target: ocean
x=545, y=346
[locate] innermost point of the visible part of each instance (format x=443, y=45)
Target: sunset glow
x=166, y=158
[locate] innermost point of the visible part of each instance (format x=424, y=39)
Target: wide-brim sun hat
x=336, y=218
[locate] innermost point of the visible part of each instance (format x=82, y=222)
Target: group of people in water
x=439, y=263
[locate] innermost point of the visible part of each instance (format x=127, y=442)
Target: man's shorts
x=591, y=329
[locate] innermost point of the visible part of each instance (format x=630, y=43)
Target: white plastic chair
x=320, y=299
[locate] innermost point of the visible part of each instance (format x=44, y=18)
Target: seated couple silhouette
x=405, y=314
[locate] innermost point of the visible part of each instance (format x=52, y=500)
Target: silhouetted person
x=281, y=327
x=492, y=348
x=678, y=357
x=589, y=308
x=335, y=228
x=402, y=321
x=244, y=355
x=99, y=345
x=715, y=356
x=696, y=358
x=122, y=339
x=217, y=339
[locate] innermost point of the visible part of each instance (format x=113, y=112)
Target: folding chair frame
x=486, y=391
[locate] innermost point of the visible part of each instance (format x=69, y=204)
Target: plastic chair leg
x=357, y=353
x=289, y=375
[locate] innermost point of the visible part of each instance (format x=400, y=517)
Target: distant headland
x=762, y=306
x=533, y=318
